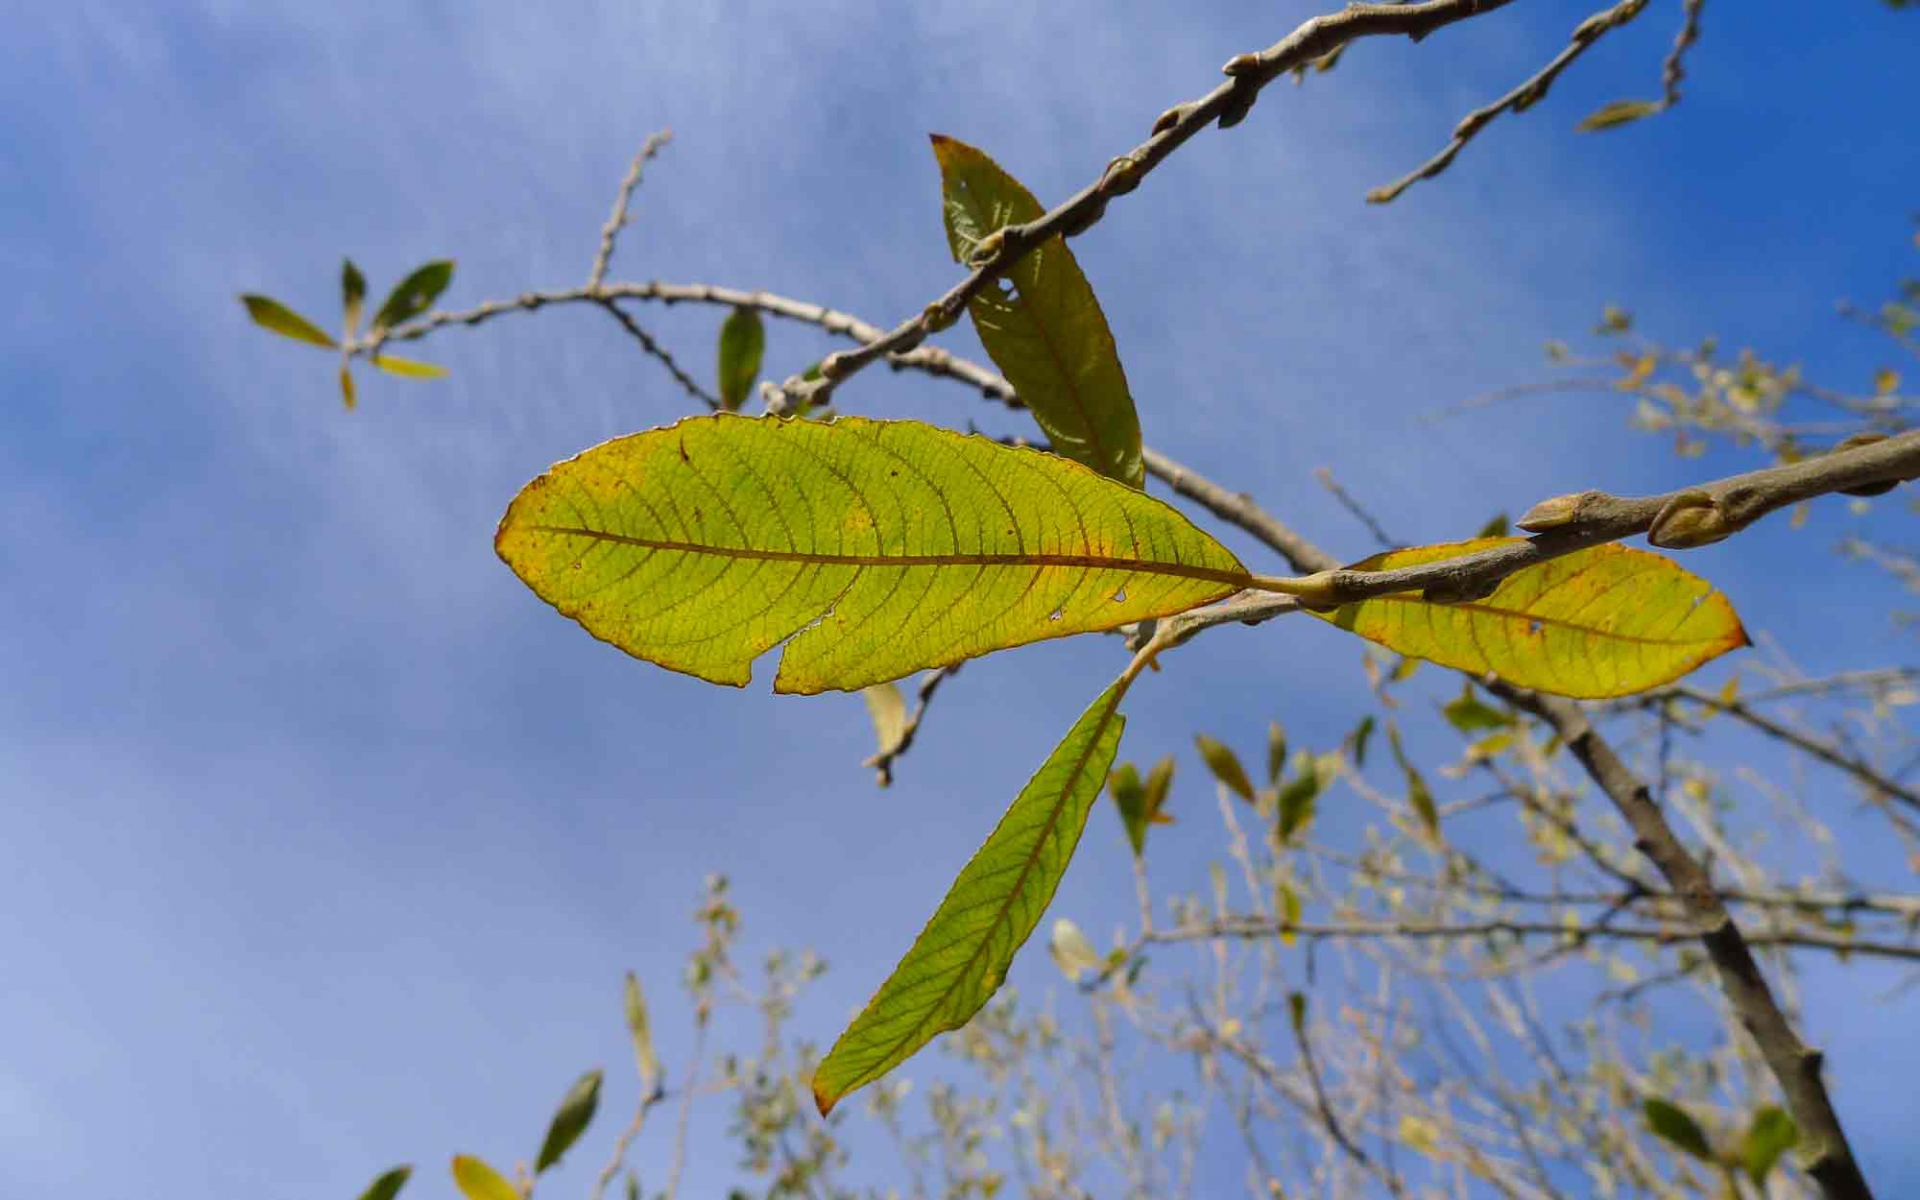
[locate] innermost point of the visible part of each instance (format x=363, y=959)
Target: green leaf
x=1418, y=796
x=1047, y=333
x=407, y=368
x=478, y=1181
x=270, y=314
x=347, y=394
x=1297, y=1010
x=1673, y=1124
x=1276, y=752
x=353, y=295
x=1620, y=112
x=1606, y=621
x=742, y=343
x=1139, y=803
x=962, y=955
x=414, y=294
x=1296, y=801
x=1496, y=527
x=1771, y=1134
x=388, y=1185
x=886, y=546
x=570, y=1120
x=1225, y=765
x=1358, y=739
x=641, y=1030
x=1159, y=782
x=1466, y=713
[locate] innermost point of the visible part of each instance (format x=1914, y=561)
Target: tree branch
x=617, y=220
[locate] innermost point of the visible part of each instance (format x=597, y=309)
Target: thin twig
x=1354, y=507
x=930, y=683
x=686, y=1109
x=1516, y=101
x=654, y=348
x=1674, y=69
x=618, y=219
x=1328, y=1118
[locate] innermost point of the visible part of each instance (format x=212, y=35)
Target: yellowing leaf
x=1071, y=951
x=270, y=314
x=1419, y=798
x=1607, y=621
x=1771, y=1134
x=961, y=956
x=1225, y=765
x=478, y=1181
x=347, y=396
x=889, y=712
x=640, y=1028
x=1041, y=323
x=885, y=546
x=1620, y=112
x=353, y=293
x=407, y=368
x=1140, y=803
x=743, y=340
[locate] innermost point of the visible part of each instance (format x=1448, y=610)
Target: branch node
x=1689, y=520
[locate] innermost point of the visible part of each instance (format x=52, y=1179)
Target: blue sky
x=324, y=844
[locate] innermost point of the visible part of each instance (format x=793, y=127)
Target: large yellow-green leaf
x=1608, y=621
x=1045, y=331
x=962, y=954
x=886, y=546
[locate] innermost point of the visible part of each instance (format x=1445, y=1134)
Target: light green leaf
x=478, y=1181
x=1620, y=112
x=347, y=394
x=641, y=1030
x=1771, y=1134
x=1418, y=796
x=1606, y=621
x=1675, y=1126
x=1140, y=803
x=570, y=1120
x=962, y=955
x=1468, y=714
x=388, y=1185
x=1296, y=801
x=407, y=368
x=1159, y=782
x=270, y=314
x=1225, y=765
x=353, y=295
x=742, y=343
x=885, y=546
x=1041, y=324
x=414, y=294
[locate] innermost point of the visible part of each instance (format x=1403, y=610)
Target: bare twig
x=1355, y=508
x=654, y=348
x=618, y=219
x=1516, y=101
x=930, y=683
x=1674, y=69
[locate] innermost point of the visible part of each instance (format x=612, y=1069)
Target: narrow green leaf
x=1418, y=796
x=570, y=1120
x=962, y=955
x=1276, y=752
x=1159, y=782
x=1468, y=714
x=388, y=1185
x=1130, y=797
x=353, y=295
x=407, y=368
x=1675, y=1126
x=1290, y=910
x=885, y=546
x=1358, y=739
x=633, y=1186
x=1297, y=1010
x=347, y=395
x=1601, y=622
x=1496, y=527
x=1296, y=802
x=1225, y=765
x=742, y=343
x=1618, y=113
x=641, y=1030
x=414, y=294
x=1042, y=324
x=478, y=1181
x=1771, y=1134
x=270, y=314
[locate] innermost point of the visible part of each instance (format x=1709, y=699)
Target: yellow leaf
x=1620, y=112
x=407, y=368
x=478, y=1181
x=1607, y=621
x=889, y=712
x=878, y=547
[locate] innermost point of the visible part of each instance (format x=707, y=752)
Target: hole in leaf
x=1120, y=597
x=1056, y=614
x=1533, y=627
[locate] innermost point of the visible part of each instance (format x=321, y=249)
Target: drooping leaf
x=1139, y=803
x=1071, y=950
x=1673, y=1124
x=408, y=368
x=889, y=712
x=1290, y=909
x=414, y=294
x=270, y=314
x=886, y=546
x=347, y=395
x=1606, y=621
x=388, y=1185
x=570, y=1120
x=478, y=1181
x=641, y=1030
x=1159, y=782
x=1358, y=739
x=1296, y=801
x=742, y=343
x=1620, y=112
x=1297, y=1010
x=353, y=296
x=1042, y=324
x=1771, y=1134
x=1276, y=751
x=1467, y=713
x=962, y=955
x=1418, y=796
x=1225, y=765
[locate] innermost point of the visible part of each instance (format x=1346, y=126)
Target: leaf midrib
x=1237, y=578
x=1556, y=622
